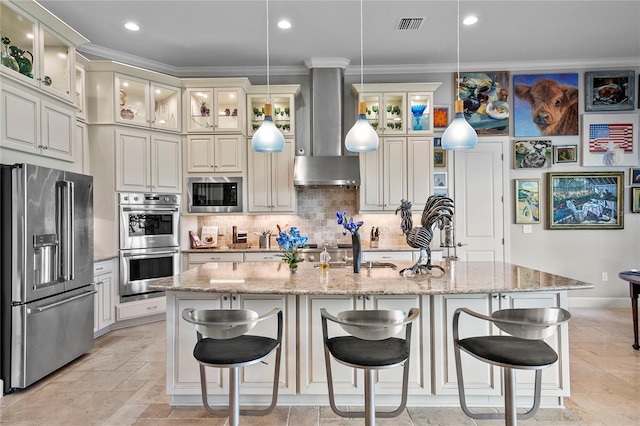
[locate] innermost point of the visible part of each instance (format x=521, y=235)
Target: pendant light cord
x=361, y=51
x=268, y=94
x=458, y=52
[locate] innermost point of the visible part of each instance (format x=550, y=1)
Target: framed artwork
x=439, y=180
x=634, y=176
x=439, y=158
x=635, y=200
x=545, y=105
x=437, y=142
x=563, y=154
x=586, y=200
x=610, y=90
x=440, y=192
x=531, y=154
x=527, y=200
x=610, y=140
x=440, y=117
x=486, y=101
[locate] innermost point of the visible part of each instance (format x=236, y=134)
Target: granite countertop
x=275, y=278
x=275, y=248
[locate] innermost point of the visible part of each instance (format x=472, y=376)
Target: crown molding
x=109, y=54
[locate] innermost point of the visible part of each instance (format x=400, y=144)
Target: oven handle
x=62, y=302
x=148, y=255
x=149, y=210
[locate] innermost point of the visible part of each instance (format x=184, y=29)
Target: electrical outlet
x=605, y=276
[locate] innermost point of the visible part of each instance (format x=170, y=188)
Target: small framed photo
x=635, y=200
x=437, y=142
x=531, y=154
x=610, y=90
x=527, y=200
x=439, y=180
x=440, y=117
x=634, y=176
x=439, y=158
x=440, y=192
x=585, y=200
x=565, y=154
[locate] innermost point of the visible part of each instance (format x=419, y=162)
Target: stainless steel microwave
x=214, y=194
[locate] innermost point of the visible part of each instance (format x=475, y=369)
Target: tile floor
x=121, y=382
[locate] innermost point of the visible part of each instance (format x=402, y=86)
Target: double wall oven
x=149, y=242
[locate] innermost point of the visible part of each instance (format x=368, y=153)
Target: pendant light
x=459, y=134
x=268, y=138
x=362, y=137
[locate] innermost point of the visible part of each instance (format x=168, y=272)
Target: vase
x=357, y=252
x=7, y=60
x=293, y=268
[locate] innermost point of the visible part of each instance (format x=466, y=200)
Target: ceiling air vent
x=409, y=24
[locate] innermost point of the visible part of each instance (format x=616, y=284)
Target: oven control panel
x=149, y=199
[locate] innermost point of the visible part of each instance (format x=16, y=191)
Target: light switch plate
x=527, y=229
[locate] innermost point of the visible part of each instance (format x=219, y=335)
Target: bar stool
x=370, y=346
x=524, y=349
x=222, y=343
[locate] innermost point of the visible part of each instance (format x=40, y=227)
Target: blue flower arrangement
x=348, y=224
x=291, y=242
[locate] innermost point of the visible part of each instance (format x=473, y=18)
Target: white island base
x=303, y=377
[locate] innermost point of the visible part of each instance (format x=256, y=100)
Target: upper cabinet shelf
x=398, y=109
x=215, y=110
x=34, y=53
x=282, y=99
x=146, y=103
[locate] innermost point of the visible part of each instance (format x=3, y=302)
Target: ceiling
x=228, y=38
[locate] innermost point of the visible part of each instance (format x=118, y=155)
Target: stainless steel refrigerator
x=46, y=271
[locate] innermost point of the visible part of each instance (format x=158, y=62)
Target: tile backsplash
x=315, y=218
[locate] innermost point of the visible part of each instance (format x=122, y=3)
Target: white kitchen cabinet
x=81, y=152
x=482, y=378
x=80, y=94
x=400, y=169
x=215, y=110
x=49, y=46
x=387, y=256
x=282, y=99
x=398, y=108
x=270, y=186
x=140, y=308
x=148, y=162
x=347, y=380
x=37, y=125
x=146, y=103
x=106, y=285
x=384, y=173
x=263, y=257
x=195, y=260
x=184, y=378
x=215, y=153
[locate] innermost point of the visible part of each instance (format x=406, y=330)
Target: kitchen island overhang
x=261, y=286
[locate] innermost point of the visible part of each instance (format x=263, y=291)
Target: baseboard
x=599, y=302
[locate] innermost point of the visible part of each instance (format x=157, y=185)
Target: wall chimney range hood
x=327, y=164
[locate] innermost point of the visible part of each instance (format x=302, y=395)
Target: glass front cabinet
x=398, y=109
x=282, y=98
x=146, y=103
x=214, y=110
x=34, y=53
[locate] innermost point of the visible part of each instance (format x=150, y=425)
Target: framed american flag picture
x=610, y=140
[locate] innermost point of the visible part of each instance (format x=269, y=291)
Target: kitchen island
x=261, y=286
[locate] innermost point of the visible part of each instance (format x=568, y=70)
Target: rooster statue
x=438, y=212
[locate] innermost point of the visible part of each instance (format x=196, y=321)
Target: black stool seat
x=512, y=351
x=238, y=350
x=368, y=353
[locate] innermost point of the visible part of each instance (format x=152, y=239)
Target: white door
x=478, y=196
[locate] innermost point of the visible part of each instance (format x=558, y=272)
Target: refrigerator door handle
x=62, y=302
x=66, y=220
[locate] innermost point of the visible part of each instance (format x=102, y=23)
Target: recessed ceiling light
x=470, y=20
x=284, y=24
x=30, y=36
x=131, y=26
